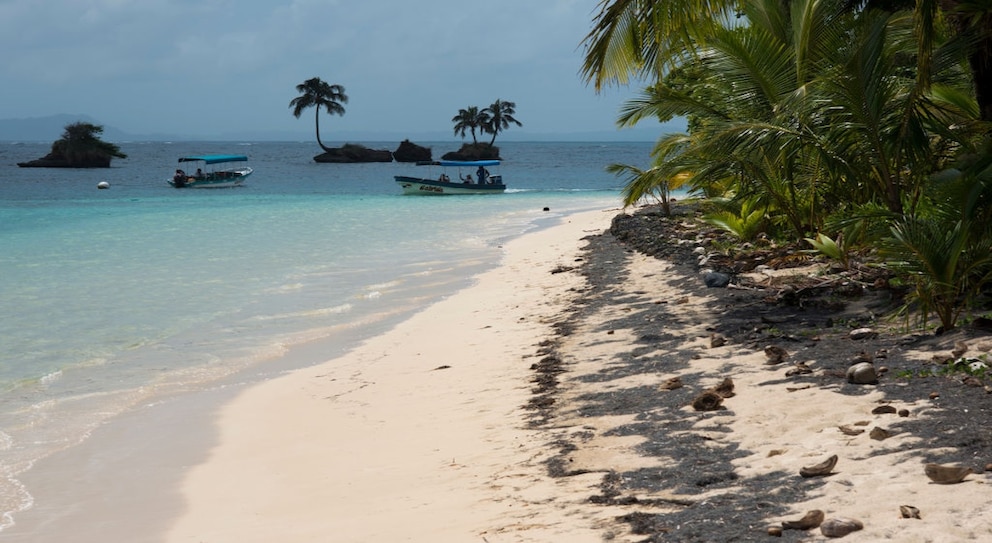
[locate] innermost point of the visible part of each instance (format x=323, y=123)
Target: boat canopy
x=214, y=159
x=469, y=163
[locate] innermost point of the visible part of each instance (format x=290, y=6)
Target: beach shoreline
x=538, y=405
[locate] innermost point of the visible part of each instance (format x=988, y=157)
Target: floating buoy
x=103, y=185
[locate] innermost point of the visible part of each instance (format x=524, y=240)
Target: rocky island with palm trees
x=492, y=120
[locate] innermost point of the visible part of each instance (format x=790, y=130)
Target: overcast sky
x=206, y=67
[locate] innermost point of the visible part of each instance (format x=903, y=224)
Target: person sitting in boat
x=467, y=179
x=180, y=176
x=199, y=173
x=444, y=178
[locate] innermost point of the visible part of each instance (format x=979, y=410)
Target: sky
x=223, y=67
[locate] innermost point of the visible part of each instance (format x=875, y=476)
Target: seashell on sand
x=707, y=401
x=823, y=468
x=725, y=389
x=775, y=354
x=946, y=475
x=840, y=526
x=809, y=521
x=847, y=430
x=671, y=383
x=908, y=511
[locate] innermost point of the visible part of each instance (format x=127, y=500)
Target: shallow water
x=114, y=298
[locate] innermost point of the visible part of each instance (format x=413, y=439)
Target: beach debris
x=862, y=333
x=904, y=412
x=716, y=340
x=775, y=531
x=840, y=526
x=862, y=373
x=818, y=470
x=942, y=358
x=959, y=349
x=798, y=388
x=878, y=434
x=946, y=475
x=775, y=354
x=716, y=280
x=847, y=430
x=883, y=410
x=725, y=389
x=707, y=401
x=776, y=452
x=672, y=383
x=908, y=511
x=799, y=368
x=103, y=185
x=809, y=521
x=444, y=367
x=863, y=356
x=934, y=395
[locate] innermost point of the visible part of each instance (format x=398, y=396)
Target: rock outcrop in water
x=411, y=152
x=352, y=152
x=79, y=147
x=474, y=151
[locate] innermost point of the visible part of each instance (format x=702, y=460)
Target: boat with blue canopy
x=471, y=177
x=212, y=171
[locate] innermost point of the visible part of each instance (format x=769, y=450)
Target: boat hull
x=433, y=187
x=215, y=180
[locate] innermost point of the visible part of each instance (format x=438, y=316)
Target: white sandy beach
x=420, y=433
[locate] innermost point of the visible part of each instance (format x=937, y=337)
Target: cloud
x=196, y=66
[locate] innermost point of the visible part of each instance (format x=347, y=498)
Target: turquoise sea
x=111, y=299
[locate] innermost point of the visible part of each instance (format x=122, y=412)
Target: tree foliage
x=810, y=116
x=319, y=94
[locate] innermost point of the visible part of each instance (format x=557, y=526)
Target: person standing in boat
x=481, y=174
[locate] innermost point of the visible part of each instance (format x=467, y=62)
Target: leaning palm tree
x=500, y=115
x=470, y=119
x=315, y=92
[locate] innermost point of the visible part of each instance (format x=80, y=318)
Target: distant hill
x=49, y=129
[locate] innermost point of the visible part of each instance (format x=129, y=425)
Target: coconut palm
x=470, y=119
x=315, y=92
x=645, y=38
x=500, y=115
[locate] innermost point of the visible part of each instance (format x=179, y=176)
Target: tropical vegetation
x=79, y=147
x=319, y=94
x=495, y=118
x=858, y=126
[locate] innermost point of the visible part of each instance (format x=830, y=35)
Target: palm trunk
x=317, y=122
x=981, y=67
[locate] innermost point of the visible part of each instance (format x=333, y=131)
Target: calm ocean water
x=114, y=298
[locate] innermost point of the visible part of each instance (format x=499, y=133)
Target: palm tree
x=470, y=119
x=315, y=92
x=500, y=115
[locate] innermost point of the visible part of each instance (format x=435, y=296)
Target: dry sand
x=420, y=434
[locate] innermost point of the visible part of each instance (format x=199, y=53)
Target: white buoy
x=103, y=185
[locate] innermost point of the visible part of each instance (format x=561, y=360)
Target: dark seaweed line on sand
x=742, y=508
